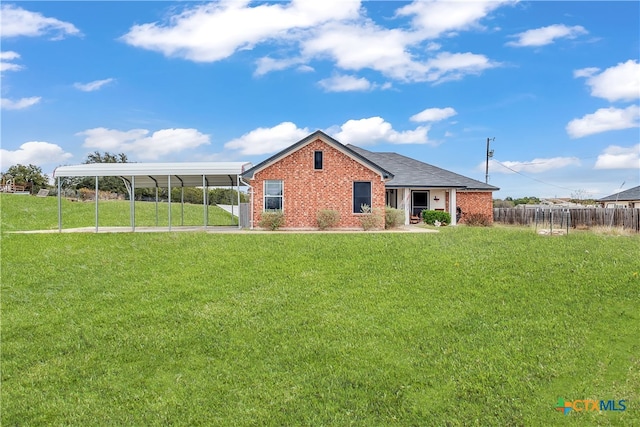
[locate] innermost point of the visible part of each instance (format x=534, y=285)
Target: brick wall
x=306, y=191
x=475, y=202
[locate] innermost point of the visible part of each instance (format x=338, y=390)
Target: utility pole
x=489, y=155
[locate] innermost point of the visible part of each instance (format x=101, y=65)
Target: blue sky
x=557, y=84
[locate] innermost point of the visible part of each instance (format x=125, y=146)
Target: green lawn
x=37, y=213
x=469, y=326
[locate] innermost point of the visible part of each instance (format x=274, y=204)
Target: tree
x=113, y=184
x=580, y=197
x=107, y=157
x=531, y=200
x=499, y=203
x=30, y=175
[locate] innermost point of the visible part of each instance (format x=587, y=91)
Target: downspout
x=154, y=180
x=251, y=204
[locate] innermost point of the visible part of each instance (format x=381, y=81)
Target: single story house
x=318, y=172
x=625, y=199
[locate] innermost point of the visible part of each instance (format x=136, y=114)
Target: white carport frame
x=155, y=175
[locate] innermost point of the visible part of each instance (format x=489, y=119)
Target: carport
x=158, y=175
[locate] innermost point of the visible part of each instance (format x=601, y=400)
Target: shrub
x=327, y=218
x=371, y=219
x=271, y=220
x=393, y=217
x=430, y=217
x=477, y=220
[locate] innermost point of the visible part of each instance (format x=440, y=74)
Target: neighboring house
x=625, y=199
x=318, y=172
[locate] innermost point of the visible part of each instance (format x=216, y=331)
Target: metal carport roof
x=157, y=175
x=147, y=174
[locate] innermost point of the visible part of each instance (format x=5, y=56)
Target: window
x=317, y=160
x=273, y=195
x=361, y=195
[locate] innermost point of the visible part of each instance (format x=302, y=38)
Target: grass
x=36, y=213
x=469, y=326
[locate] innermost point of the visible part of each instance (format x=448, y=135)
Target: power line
x=534, y=179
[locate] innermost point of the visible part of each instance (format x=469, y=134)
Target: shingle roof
x=408, y=172
x=630, y=194
x=326, y=138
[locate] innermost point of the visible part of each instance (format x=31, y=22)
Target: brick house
x=319, y=172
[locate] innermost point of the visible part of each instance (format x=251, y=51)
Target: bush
x=477, y=220
x=393, y=217
x=271, y=220
x=430, y=217
x=327, y=218
x=371, y=219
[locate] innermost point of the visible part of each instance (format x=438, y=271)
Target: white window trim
x=264, y=194
x=353, y=195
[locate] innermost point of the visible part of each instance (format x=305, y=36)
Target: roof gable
x=410, y=172
x=326, y=139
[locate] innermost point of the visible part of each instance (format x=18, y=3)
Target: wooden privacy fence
x=627, y=218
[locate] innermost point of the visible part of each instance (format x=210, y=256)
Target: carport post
x=156, y=203
x=59, y=207
x=169, y=188
x=231, y=198
x=204, y=201
x=238, y=191
x=132, y=199
x=97, y=196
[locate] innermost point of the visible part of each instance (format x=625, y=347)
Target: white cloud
x=366, y=45
x=267, y=140
x=141, y=143
x=615, y=157
x=33, y=152
x=335, y=30
x=267, y=64
x=8, y=104
x=344, y=83
x=453, y=66
x=433, y=115
x=547, y=35
x=9, y=56
x=618, y=83
x=436, y=18
x=305, y=68
x=537, y=165
x=372, y=130
x=585, y=72
x=92, y=86
x=354, y=47
x=15, y=22
x=211, y=32
x=603, y=120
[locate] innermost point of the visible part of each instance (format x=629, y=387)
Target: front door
x=419, y=202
